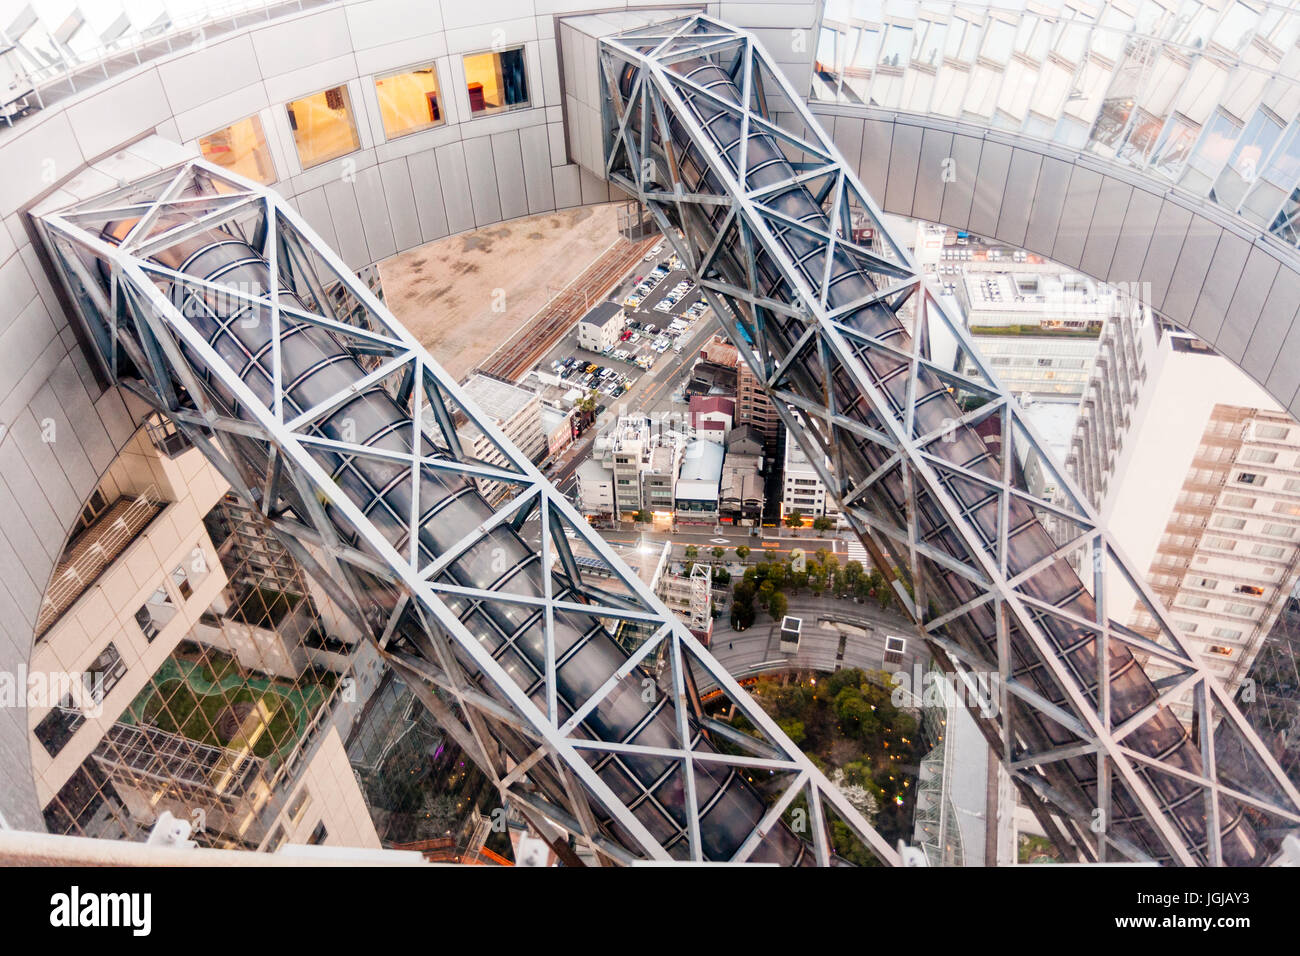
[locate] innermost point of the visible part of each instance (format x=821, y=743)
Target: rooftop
x=701, y=472
x=602, y=312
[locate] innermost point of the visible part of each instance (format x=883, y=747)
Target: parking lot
x=662, y=305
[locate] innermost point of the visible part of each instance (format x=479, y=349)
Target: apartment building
x=1192, y=465
x=802, y=488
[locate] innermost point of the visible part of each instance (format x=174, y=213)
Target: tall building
x=753, y=407
x=802, y=488
x=1193, y=465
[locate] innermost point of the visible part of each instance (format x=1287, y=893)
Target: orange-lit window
x=323, y=126
x=241, y=148
x=409, y=101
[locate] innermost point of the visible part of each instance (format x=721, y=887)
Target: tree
x=742, y=552
x=692, y=552
x=794, y=519
x=642, y=516
x=822, y=523
x=718, y=553
x=824, y=557
x=742, y=614
x=794, y=729
x=721, y=577
x=588, y=402
x=777, y=605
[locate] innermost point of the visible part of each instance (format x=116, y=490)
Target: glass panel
x=323, y=126
x=1175, y=145
x=1243, y=167
x=409, y=101
x=898, y=46
x=241, y=148
x=1212, y=151
x=496, y=82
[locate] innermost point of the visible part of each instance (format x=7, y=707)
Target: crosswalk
x=856, y=552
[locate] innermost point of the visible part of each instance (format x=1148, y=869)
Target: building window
x=409, y=101
x=1220, y=650
x=1270, y=432
x=298, y=806
x=1248, y=478
x=1260, y=456
x=96, y=505
x=1249, y=589
x=155, y=614
x=241, y=148
x=323, y=126
x=56, y=728
x=164, y=435
x=1268, y=551
x=1226, y=633
x=182, y=582
x=1279, y=530
x=318, y=835
x=496, y=82
x=276, y=841
x=1221, y=544
x=1232, y=524
x=1188, y=601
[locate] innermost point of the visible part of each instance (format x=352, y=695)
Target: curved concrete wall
x=1202, y=268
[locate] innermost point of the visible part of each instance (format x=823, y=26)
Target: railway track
x=540, y=333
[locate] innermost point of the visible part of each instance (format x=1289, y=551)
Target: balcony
x=93, y=550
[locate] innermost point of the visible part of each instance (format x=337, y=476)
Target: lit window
x=496, y=82
x=241, y=148
x=1220, y=650
x=182, y=582
x=323, y=127
x=409, y=101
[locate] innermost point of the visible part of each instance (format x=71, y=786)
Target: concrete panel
x=33, y=158
x=426, y=184
x=568, y=189
x=1275, y=319
x=400, y=201
x=873, y=165
x=1139, y=224
x=535, y=147
x=846, y=133
x=202, y=75
x=1049, y=204
x=341, y=198
x=375, y=218
x=119, y=113
x=1245, y=310
x=75, y=400
x=1284, y=379
x=377, y=22
x=1076, y=215
x=1162, y=250
x=904, y=155
x=303, y=41
x=1189, y=271
x=315, y=208
x=38, y=515
x=1016, y=190
x=960, y=191
x=455, y=188
x=53, y=418
x=1107, y=220
x=509, y=162
x=1221, y=281
x=482, y=180
x=936, y=148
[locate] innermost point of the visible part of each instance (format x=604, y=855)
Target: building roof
x=745, y=439
x=592, y=470
x=703, y=404
x=701, y=472
x=497, y=399
x=602, y=312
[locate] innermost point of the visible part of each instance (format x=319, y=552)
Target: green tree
x=742, y=552
x=777, y=605
x=794, y=519
x=642, y=516
x=718, y=553
x=588, y=402
x=822, y=523
x=794, y=729
x=742, y=613
x=692, y=552
x=853, y=573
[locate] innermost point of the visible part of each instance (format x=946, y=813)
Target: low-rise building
x=712, y=416
x=741, y=498
x=516, y=411
x=596, y=490
x=699, y=483
x=600, y=328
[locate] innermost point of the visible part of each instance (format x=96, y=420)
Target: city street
x=822, y=646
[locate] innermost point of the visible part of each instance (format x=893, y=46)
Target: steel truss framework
x=213, y=300
x=930, y=467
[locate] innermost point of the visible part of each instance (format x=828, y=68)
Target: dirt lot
x=447, y=294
